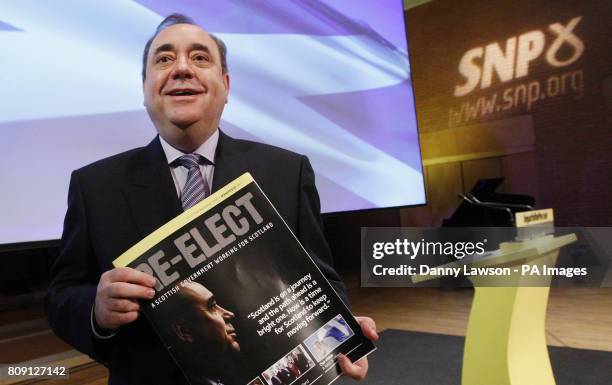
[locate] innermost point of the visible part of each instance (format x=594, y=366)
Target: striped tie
x=195, y=188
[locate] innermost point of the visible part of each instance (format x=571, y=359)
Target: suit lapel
x=227, y=165
x=149, y=189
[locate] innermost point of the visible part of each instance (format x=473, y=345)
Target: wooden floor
x=576, y=317
x=579, y=318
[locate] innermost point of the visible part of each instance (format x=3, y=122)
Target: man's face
x=185, y=88
x=210, y=324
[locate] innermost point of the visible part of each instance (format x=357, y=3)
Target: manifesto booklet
x=238, y=299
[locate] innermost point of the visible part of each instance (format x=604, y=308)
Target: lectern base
x=506, y=338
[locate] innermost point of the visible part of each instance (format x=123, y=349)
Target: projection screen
x=328, y=79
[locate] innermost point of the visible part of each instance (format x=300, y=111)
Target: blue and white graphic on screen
x=328, y=79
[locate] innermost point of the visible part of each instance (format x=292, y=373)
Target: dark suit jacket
x=115, y=202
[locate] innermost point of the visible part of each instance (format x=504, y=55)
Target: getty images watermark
x=491, y=256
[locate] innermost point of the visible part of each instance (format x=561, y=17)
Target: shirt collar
x=206, y=149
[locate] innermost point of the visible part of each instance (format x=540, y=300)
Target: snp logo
x=478, y=64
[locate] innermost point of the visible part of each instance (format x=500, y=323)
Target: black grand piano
x=483, y=207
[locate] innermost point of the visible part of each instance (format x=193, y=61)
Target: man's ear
x=144, y=102
x=226, y=81
x=182, y=331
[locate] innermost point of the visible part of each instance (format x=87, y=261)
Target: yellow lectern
x=506, y=342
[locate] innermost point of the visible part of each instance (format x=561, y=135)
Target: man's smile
x=183, y=91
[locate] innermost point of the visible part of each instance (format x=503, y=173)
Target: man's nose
x=182, y=69
x=227, y=315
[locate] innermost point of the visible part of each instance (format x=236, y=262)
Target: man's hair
x=174, y=19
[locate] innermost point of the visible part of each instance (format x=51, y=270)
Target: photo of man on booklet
x=204, y=318
x=202, y=336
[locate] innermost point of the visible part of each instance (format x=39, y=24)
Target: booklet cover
x=238, y=299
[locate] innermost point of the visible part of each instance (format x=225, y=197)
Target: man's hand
x=117, y=295
x=359, y=369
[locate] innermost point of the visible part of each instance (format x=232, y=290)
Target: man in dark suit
x=115, y=202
